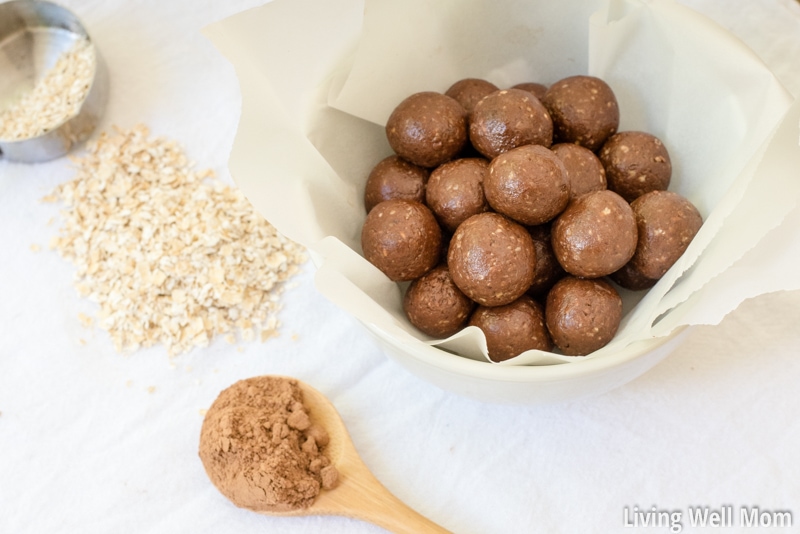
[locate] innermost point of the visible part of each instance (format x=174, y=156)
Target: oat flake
x=170, y=255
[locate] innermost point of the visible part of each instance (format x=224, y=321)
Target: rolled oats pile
x=55, y=98
x=170, y=255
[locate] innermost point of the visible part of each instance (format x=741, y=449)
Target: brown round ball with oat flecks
x=455, y=191
x=596, y=235
x=584, y=170
x=536, y=89
x=547, y=271
x=584, y=111
x=630, y=278
x=491, y=259
x=402, y=239
x=528, y=184
x=469, y=91
x=392, y=178
x=435, y=305
x=636, y=163
x=512, y=329
x=667, y=223
x=427, y=129
x=507, y=119
x=582, y=315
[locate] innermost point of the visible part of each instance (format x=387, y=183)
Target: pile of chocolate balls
x=519, y=211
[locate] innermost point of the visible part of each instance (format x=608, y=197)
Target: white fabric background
x=86, y=446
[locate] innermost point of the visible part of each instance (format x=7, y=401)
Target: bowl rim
x=460, y=365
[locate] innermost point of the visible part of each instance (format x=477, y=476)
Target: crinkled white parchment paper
x=317, y=93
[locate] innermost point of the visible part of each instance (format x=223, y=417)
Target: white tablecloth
x=92, y=441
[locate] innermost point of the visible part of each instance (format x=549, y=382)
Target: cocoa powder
x=260, y=448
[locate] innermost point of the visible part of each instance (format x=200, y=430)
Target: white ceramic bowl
x=308, y=137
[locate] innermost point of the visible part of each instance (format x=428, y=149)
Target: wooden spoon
x=359, y=494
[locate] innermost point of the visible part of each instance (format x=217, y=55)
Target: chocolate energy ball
x=469, y=91
x=427, y=129
x=435, y=305
x=537, y=89
x=528, y=184
x=667, y=223
x=584, y=170
x=394, y=177
x=636, y=163
x=512, y=329
x=402, y=239
x=631, y=278
x=491, y=259
x=582, y=315
x=455, y=191
x=507, y=119
x=546, y=270
x=596, y=235
x=584, y=111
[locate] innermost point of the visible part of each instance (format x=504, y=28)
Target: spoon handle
x=361, y=496
x=379, y=506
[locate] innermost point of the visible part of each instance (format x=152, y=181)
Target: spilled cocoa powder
x=260, y=448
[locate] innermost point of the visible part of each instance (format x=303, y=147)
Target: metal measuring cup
x=33, y=35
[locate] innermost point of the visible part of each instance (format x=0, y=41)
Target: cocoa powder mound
x=260, y=448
